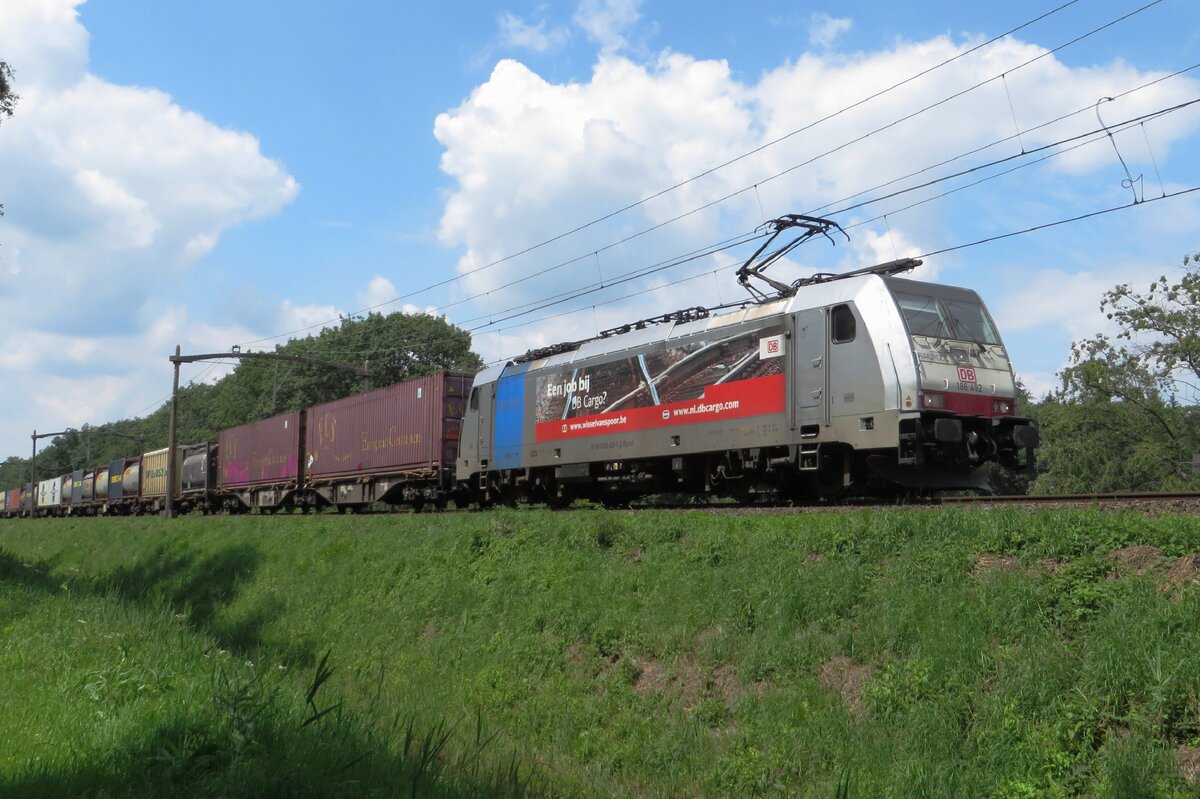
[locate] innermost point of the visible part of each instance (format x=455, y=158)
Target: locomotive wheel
x=828, y=480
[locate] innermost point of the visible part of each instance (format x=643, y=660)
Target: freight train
x=857, y=384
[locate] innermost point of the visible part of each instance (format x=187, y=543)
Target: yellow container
x=154, y=474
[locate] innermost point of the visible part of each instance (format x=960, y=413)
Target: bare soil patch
x=848, y=679
x=1187, y=760
x=651, y=676
x=575, y=656
x=684, y=679
x=1138, y=559
x=1051, y=565
x=1182, y=572
x=690, y=683
x=990, y=562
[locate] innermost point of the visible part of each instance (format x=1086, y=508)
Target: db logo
x=773, y=345
x=666, y=415
x=966, y=374
x=564, y=428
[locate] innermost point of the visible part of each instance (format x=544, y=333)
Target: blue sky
x=216, y=173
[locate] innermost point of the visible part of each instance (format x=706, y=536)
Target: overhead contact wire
x=707, y=172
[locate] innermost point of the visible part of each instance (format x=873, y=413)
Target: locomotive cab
x=965, y=401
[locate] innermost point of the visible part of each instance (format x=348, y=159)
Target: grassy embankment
x=903, y=653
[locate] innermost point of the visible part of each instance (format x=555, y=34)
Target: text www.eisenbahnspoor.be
x=616, y=421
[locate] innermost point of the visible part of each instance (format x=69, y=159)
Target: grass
x=895, y=654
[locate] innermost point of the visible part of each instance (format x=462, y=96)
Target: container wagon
x=259, y=464
x=394, y=445
x=153, y=498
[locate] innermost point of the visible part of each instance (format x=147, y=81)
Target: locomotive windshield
x=958, y=318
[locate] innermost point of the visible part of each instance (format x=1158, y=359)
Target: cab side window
x=842, y=324
x=474, y=401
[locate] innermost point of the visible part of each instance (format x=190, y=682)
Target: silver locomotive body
x=858, y=384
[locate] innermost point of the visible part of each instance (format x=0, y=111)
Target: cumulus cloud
x=378, y=291
x=824, y=30
x=608, y=21
x=112, y=194
x=531, y=158
x=518, y=33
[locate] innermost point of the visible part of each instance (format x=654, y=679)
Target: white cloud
x=309, y=318
x=44, y=43
x=1071, y=299
x=531, y=158
x=378, y=291
x=824, y=30
x=112, y=193
x=410, y=309
x=516, y=32
x=608, y=21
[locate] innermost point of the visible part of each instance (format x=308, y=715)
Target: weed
x=524, y=652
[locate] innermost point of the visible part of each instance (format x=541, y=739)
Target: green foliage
x=8, y=98
x=396, y=347
x=1125, y=416
x=110, y=694
x=14, y=471
x=649, y=653
x=8, y=101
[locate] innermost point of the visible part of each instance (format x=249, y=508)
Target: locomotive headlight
x=1002, y=407
x=932, y=400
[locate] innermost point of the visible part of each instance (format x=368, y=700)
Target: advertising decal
x=674, y=384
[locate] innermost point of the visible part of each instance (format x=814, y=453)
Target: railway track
x=1150, y=502
x=1163, y=501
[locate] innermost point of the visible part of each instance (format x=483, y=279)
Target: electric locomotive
x=862, y=382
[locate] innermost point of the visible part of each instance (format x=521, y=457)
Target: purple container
x=407, y=426
x=266, y=452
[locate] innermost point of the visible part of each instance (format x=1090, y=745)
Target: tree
x=14, y=471
x=1125, y=416
x=8, y=99
x=397, y=347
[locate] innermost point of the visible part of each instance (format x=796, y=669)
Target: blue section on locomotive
x=509, y=428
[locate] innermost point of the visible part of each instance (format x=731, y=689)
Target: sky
x=229, y=173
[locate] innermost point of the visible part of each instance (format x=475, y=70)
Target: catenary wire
x=739, y=192
x=574, y=294
x=963, y=246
